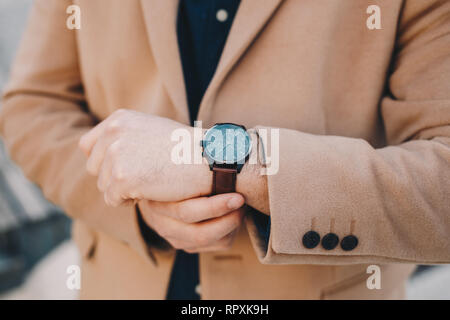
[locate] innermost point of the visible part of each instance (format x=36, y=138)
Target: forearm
x=253, y=186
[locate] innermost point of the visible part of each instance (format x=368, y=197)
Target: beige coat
x=365, y=136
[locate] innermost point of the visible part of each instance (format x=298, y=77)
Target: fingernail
x=234, y=203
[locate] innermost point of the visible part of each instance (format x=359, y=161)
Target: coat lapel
x=250, y=18
x=160, y=19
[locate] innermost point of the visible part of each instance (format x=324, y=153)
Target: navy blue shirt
x=202, y=28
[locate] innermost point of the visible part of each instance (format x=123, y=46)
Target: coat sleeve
x=394, y=200
x=44, y=114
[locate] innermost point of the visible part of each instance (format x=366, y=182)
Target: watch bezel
x=236, y=164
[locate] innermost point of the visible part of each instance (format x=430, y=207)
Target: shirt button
x=198, y=289
x=222, y=15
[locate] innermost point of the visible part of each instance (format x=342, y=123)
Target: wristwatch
x=226, y=147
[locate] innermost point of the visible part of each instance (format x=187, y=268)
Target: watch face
x=227, y=143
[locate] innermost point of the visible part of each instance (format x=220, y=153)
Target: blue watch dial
x=227, y=143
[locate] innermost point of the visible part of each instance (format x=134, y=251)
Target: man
x=364, y=143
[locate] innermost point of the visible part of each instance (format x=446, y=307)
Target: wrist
x=252, y=182
x=201, y=173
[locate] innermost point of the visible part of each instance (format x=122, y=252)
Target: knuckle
x=118, y=172
x=114, y=148
x=114, y=126
x=134, y=194
x=120, y=113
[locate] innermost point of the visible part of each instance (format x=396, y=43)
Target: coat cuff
x=330, y=207
x=286, y=241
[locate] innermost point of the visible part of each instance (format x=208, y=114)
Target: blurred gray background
x=35, y=245
x=30, y=227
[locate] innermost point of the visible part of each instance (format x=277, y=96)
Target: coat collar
x=160, y=19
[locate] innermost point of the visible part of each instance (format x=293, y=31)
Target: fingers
x=97, y=155
x=109, y=177
x=105, y=173
x=115, y=193
x=88, y=140
x=199, y=209
x=197, y=234
x=223, y=244
x=211, y=233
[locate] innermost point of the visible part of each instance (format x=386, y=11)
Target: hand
x=130, y=152
x=195, y=225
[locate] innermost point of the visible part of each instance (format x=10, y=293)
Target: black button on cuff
x=311, y=239
x=330, y=241
x=349, y=243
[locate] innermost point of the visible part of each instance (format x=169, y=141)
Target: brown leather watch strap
x=224, y=180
